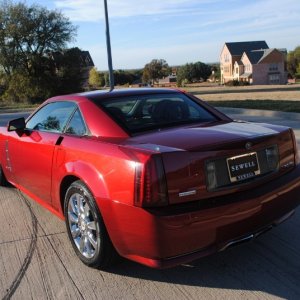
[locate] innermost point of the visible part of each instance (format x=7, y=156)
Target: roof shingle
x=238, y=48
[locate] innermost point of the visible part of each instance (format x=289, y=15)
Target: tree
x=156, y=69
x=95, y=79
x=293, y=62
x=28, y=35
x=216, y=72
x=124, y=77
x=193, y=72
x=20, y=88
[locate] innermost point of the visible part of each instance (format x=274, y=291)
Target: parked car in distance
x=153, y=175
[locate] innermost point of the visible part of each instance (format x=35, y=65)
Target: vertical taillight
x=150, y=183
x=272, y=155
x=297, y=157
x=211, y=174
x=138, y=184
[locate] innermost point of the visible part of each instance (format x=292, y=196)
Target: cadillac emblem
x=248, y=146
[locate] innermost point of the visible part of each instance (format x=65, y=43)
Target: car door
x=31, y=152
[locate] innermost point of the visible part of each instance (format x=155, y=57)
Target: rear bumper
x=188, y=257
x=182, y=233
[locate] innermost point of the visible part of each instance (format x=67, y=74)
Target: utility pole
x=109, y=57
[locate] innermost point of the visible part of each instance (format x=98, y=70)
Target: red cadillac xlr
x=154, y=175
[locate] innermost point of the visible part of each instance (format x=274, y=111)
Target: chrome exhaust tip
x=237, y=242
x=250, y=237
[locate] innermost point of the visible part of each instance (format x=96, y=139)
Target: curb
x=260, y=113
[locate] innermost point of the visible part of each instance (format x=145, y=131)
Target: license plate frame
x=243, y=167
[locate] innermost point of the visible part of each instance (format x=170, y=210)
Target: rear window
x=142, y=113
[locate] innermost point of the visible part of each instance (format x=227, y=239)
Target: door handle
x=59, y=141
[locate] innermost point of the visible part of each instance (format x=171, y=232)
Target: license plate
x=243, y=167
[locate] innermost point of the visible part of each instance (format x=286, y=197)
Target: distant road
x=4, y=118
x=266, y=116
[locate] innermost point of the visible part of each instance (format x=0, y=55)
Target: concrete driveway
x=37, y=261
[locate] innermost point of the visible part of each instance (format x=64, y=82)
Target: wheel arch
x=65, y=184
x=91, y=177
x=94, y=181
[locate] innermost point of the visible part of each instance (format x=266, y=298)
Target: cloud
x=232, y=14
x=87, y=10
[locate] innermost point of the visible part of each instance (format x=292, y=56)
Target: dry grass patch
x=280, y=98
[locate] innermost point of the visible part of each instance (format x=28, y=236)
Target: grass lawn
x=277, y=97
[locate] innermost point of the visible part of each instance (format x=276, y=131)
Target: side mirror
x=16, y=124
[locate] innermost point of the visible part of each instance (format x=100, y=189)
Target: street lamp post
x=109, y=57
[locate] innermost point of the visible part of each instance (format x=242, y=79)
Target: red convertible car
x=154, y=175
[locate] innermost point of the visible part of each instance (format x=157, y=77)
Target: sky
x=179, y=31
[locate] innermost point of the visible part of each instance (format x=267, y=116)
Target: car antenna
x=109, y=57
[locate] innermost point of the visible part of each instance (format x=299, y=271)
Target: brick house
x=169, y=81
x=253, y=62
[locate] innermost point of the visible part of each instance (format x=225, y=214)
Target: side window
x=76, y=125
x=52, y=117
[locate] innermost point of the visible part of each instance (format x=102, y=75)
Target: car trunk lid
x=186, y=151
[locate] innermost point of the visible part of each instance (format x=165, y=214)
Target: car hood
x=193, y=138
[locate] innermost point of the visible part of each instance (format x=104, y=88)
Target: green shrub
x=23, y=89
x=236, y=83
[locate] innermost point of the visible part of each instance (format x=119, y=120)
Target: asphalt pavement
x=38, y=262
x=5, y=117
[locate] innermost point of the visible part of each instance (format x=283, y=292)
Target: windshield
x=143, y=113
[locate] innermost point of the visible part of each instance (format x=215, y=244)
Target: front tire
x=86, y=229
x=3, y=181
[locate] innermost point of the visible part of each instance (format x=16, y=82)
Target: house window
x=226, y=58
x=226, y=69
x=274, y=79
x=248, y=68
x=237, y=70
x=273, y=67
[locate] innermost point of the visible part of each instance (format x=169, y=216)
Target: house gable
x=272, y=56
x=246, y=61
x=248, y=66
x=264, y=67
x=225, y=56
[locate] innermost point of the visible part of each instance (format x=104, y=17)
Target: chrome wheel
x=86, y=229
x=82, y=226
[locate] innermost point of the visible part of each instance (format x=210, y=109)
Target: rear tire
x=86, y=229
